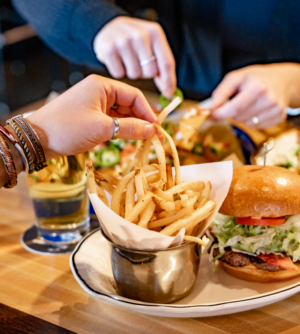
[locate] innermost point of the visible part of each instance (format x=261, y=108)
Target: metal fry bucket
x=162, y=276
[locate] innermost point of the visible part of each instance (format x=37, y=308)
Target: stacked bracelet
x=8, y=163
x=10, y=137
x=25, y=148
x=34, y=140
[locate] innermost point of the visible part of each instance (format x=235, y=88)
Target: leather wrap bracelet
x=23, y=143
x=34, y=140
x=11, y=138
x=8, y=163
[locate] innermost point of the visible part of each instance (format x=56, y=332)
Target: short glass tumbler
x=60, y=200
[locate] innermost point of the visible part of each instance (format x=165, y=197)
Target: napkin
x=129, y=235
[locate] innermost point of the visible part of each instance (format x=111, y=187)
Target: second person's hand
x=259, y=94
x=127, y=46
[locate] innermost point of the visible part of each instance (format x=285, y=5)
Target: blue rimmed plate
x=214, y=293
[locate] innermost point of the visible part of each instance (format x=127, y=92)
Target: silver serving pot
x=162, y=276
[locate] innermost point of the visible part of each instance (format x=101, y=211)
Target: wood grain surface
x=13, y=321
x=44, y=287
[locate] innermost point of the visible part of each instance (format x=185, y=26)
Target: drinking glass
x=60, y=200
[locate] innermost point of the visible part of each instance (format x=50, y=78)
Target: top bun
x=258, y=191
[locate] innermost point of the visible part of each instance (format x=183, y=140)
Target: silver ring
x=116, y=128
x=147, y=61
x=255, y=120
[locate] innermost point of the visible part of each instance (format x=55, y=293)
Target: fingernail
x=148, y=131
x=220, y=113
x=168, y=93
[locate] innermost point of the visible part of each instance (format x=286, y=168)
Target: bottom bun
x=251, y=273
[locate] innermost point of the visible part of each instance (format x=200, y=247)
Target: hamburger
x=256, y=235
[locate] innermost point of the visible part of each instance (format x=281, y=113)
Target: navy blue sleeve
x=69, y=27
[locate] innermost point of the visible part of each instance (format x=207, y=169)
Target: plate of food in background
x=284, y=151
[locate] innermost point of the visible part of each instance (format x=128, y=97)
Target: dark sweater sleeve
x=69, y=26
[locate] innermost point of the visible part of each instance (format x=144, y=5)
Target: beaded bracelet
x=10, y=137
x=26, y=150
x=8, y=163
x=34, y=140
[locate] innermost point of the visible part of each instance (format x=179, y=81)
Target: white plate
x=213, y=294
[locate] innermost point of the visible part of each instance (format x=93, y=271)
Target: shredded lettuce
x=278, y=239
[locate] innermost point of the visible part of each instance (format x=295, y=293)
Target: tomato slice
x=263, y=221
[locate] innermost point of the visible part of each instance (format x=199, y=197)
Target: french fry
x=165, y=214
x=150, y=168
x=170, y=181
x=174, y=152
x=184, y=200
x=168, y=206
x=169, y=108
x=146, y=215
x=205, y=195
x=122, y=212
x=129, y=200
x=178, y=204
x=153, y=178
x=144, y=158
x=138, y=156
x=194, y=239
x=176, y=215
x=139, y=207
x=195, y=217
x=90, y=176
x=192, y=185
x=139, y=184
x=160, y=156
x=106, y=186
x=196, y=230
x=194, y=224
x=101, y=194
x=116, y=197
x=201, y=202
x=189, y=193
x=189, y=231
x=163, y=195
x=107, y=178
x=158, y=229
x=144, y=179
x=206, y=191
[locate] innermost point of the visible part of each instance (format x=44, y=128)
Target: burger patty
x=240, y=260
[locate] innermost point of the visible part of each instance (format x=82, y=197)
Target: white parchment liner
x=129, y=235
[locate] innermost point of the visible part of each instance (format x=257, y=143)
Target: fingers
x=227, y=88
x=142, y=46
x=250, y=93
x=127, y=97
x=133, y=128
x=124, y=42
x=269, y=117
x=130, y=60
x=166, y=79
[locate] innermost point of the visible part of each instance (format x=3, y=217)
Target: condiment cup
x=162, y=276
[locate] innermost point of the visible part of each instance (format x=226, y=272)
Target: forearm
x=69, y=27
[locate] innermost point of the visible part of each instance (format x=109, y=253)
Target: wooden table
x=44, y=288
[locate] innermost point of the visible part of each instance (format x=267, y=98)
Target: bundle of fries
x=150, y=197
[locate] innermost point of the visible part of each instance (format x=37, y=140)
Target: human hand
x=81, y=118
x=124, y=42
x=262, y=91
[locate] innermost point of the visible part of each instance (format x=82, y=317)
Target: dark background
x=29, y=70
